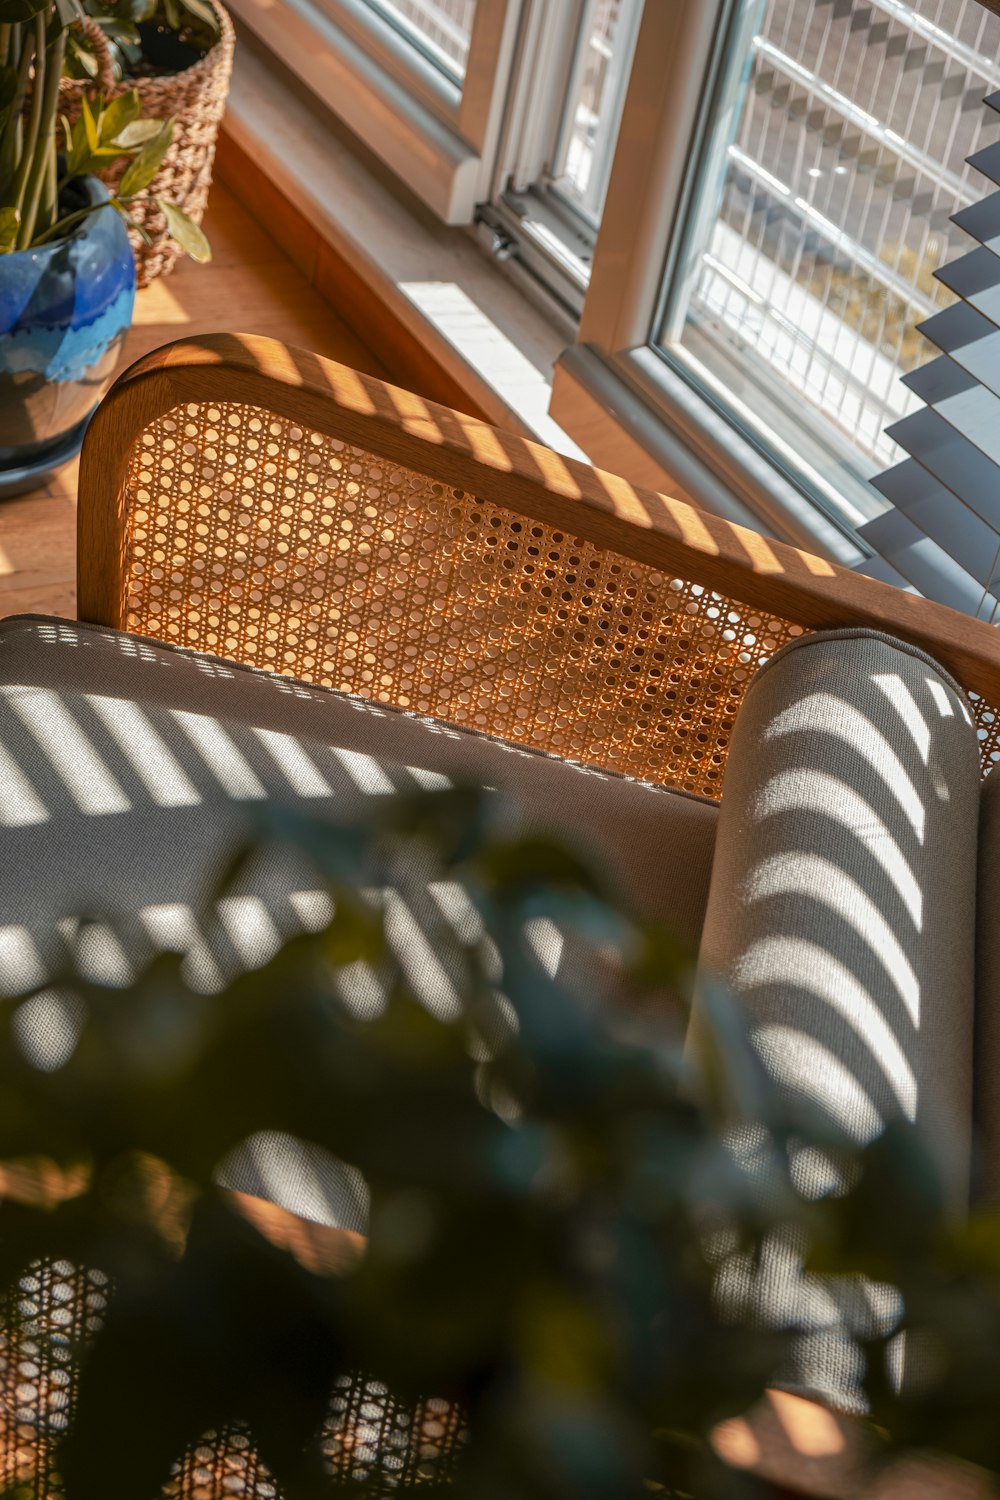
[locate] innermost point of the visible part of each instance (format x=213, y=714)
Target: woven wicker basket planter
x=196, y=98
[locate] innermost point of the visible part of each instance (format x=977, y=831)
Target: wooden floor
x=249, y=287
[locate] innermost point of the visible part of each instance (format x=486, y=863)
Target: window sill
x=404, y=131
x=433, y=281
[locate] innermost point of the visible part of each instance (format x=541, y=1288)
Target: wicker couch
x=297, y=582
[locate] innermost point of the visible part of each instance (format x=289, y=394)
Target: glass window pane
x=441, y=29
x=836, y=157
x=594, y=103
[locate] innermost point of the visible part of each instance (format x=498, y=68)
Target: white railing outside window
x=838, y=160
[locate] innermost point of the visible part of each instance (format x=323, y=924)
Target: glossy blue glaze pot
x=64, y=311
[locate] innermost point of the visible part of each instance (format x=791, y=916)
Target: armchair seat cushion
x=128, y=774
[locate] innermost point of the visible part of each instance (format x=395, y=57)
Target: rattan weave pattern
x=256, y=539
x=988, y=728
x=221, y=1465
x=45, y=1320
x=368, y=1437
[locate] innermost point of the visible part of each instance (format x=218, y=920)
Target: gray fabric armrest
x=986, y=1091
x=841, y=913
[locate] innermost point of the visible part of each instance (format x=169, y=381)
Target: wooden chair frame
x=713, y=562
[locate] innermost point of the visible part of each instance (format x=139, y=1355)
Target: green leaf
x=10, y=221
x=185, y=231
x=204, y=13
x=118, y=32
x=77, y=150
x=90, y=124
x=137, y=134
x=12, y=12
x=141, y=171
x=118, y=116
x=143, y=234
x=81, y=155
x=172, y=12
x=86, y=61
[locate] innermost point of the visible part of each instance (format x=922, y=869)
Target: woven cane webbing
x=371, y=1438
x=368, y=1437
x=988, y=726
x=255, y=539
x=261, y=541
x=56, y=1306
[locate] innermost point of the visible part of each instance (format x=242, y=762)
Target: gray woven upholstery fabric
x=986, y=1106
x=127, y=769
x=841, y=914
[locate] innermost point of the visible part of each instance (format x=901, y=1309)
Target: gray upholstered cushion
x=842, y=904
x=986, y=1109
x=127, y=767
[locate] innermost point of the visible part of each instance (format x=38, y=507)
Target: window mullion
x=538, y=84
x=663, y=108
x=488, y=76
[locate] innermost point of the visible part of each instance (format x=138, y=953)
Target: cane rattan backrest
x=275, y=509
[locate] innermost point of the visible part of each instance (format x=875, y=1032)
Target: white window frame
x=438, y=137
x=648, y=408
x=553, y=238
x=633, y=408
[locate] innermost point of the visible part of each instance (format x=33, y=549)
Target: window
x=779, y=205
x=553, y=174
x=735, y=210
x=588, y=125
x=422, y=82
x=441, y=29
x=835, y=158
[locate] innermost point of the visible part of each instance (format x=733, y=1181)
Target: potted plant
x=67, y=274
x=178, y=55
x=146, y=38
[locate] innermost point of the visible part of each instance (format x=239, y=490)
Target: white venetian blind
x=942, y=532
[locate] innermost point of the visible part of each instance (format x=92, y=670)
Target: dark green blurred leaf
x=550, y=1186
x=12, y=12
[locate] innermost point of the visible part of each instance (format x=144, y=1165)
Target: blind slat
x=957, y=463
x=926, y=565
x=939, y=515
x=955, y=327
x=987, y=161
x=936, y=381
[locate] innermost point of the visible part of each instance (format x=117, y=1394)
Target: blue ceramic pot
x=64, y=311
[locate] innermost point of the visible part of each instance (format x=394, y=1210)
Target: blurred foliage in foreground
x=551, y=1192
